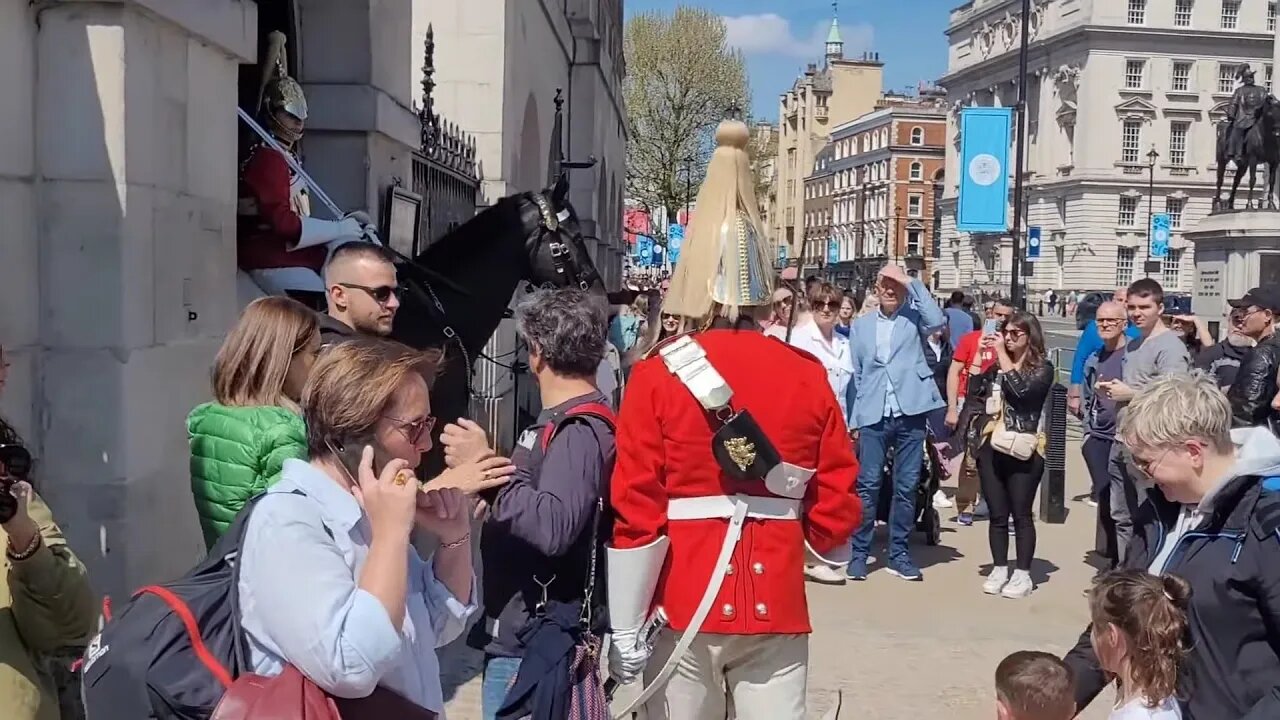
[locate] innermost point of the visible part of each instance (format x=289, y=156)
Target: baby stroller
x=928, y=519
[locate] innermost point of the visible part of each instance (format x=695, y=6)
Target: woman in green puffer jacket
x=240, y=440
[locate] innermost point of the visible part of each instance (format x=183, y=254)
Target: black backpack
x=173, y=650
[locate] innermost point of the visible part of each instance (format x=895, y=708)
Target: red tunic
x=268, y=223
x=664, y=452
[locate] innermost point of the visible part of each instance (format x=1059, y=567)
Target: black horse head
x=458, y=290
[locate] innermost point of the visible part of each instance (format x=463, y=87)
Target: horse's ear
x=560, y=191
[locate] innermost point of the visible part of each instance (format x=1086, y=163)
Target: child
x=1034, y=686
x=1139, y=631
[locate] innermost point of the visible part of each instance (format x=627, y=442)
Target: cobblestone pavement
x=904, y=651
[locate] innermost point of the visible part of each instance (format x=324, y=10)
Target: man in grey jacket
x=1156, y=352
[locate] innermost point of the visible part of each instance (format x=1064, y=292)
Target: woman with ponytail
x=1139, y=634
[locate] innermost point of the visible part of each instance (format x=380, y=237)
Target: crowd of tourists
x=698, y=453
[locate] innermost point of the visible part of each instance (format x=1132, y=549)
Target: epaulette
x=659, y=345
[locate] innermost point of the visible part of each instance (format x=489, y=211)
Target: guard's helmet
x=280, y=93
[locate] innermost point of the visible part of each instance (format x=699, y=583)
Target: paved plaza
x=901, y=651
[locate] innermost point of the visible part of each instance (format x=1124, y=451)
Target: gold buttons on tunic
x=729, y=570
x=758, y=568
x=762, y=609
x=727, y=610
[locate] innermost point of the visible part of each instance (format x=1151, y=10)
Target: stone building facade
x=118, y=174
x=817, y=214
x=822, y=98
x=1109, y=82
x=886, y=167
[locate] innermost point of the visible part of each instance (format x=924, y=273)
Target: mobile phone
x=353, y=450
x=990, y=327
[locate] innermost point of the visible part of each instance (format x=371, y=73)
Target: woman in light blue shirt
x=329, y=582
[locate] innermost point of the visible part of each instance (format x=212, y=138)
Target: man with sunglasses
x=1255, y=384
x=362, y=291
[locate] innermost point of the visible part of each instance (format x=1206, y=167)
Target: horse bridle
x=561, y=255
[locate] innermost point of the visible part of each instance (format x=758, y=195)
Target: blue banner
x=833, y=251
x=782, y=253
x=1160, y=225
x=1033, y=244
x=644, y=251
x=984, y=170
x=675, y=238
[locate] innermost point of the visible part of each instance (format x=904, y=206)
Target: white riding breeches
x=748, y=677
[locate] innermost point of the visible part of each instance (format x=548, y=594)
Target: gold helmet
x=725, y=262
x=279, y=92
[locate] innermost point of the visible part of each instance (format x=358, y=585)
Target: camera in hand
x=15, y=465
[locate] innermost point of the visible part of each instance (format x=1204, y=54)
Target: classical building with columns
x=1122, y=102
x=118, y=185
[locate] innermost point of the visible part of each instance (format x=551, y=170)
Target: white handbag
x=1018, y=445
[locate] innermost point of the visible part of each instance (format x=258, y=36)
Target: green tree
x=682, y=79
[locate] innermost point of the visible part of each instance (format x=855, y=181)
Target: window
x=1268, y=78
x=1271, y=17
x=917, y=136
x=1182, y=13
x=1137, y=12
x=1181, y=77
x=1226, y=78
x=1134, y=73
x=1131, y=141
x=1174, y=206
x=917, y=171
x=1178, y=131
x=1171, y=275
x=1230, y=14
x=915, y=205
x=1124, y=266
x=1128, y=210
x=913, y=242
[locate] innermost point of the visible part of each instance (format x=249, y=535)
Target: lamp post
x=1015, y=279
x=1152, y=157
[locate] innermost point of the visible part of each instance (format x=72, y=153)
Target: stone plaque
x=1208, y=300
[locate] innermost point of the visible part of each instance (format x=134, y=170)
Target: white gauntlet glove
x=627, y=655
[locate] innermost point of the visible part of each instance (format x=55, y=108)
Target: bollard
x=1053, y=488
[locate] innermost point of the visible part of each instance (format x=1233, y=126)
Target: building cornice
x=1207, y=44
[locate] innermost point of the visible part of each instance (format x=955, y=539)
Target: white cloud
x=771, y=34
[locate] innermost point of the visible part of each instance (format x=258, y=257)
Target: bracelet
x=30, y=550
x=456, y=543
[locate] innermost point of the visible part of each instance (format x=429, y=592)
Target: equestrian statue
x=1246, y=138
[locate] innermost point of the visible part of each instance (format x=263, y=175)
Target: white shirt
x=834, y=354
x=300, y=603
x=1137, y=709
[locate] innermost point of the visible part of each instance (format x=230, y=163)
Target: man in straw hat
x=732, y=458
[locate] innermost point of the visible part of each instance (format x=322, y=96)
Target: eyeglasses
x=784, y=302
x=1014, y=334
x=669, y=316
x=414, y=430
x=381, y=294
x=1110, y=322
x=829, y=306
x=1146, y=466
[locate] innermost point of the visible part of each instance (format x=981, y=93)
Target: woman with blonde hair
x=329, y=582
x=240, y=440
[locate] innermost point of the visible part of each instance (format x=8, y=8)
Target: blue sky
x=780, y=36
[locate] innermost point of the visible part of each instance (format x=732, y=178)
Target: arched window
x=917, y=170
x=917, y=136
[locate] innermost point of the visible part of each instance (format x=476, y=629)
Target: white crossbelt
x=725, y=506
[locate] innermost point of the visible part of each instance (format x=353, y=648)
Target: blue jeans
x=499, y=672
x=904, y=435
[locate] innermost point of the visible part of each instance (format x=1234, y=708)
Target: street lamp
x=1016, y=288
x=1152, y=157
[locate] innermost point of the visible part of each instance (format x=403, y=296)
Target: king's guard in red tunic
x=280, y=247
x=734, y=466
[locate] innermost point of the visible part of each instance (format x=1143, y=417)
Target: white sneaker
x=1019, y=586
x=940, y=500
x=824, y=574
x=996, y=580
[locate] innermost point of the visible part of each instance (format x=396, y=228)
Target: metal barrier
x=1053, y=488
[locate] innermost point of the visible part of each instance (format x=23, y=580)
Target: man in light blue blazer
x=895, y=392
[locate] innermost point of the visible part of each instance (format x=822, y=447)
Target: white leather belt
x=723, y=506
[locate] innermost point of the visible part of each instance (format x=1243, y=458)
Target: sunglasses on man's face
x=381, y=294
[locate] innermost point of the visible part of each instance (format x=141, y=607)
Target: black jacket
x=1024, y=395
x=334, y=331
x=1232, y=560
x=1255, y=386
x=1223, y=361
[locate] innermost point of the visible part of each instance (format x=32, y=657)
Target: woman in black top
x=1010, y=460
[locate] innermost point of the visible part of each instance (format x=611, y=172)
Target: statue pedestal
x=1235, y=251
